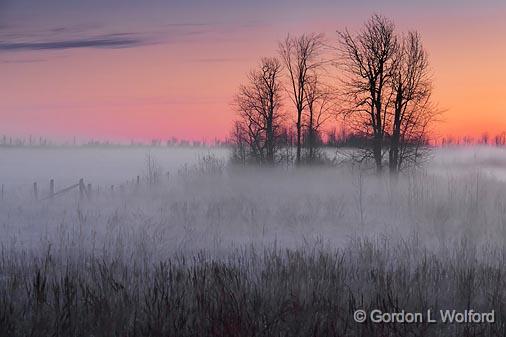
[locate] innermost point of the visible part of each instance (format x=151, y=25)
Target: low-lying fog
x=107, y=165
x=23, y=166
x=203, y=203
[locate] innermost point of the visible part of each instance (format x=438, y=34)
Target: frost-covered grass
x=310, y=291
x=214, y=250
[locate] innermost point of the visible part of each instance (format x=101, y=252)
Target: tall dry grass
x=214, y=251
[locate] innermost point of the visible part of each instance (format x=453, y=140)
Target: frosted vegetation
x=191, y=199
x=199, y=247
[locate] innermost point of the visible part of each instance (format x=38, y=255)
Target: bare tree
x=258, y=105
x=301, y=56
x=240, y=138
x=320, y=106
x=368, y=60
x=412, y=109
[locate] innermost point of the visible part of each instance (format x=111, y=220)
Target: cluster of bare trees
x=259, y=106
x=382, y=92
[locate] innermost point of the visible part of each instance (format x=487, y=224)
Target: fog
x=205, y=203
x=107, y=165
x=269, y=251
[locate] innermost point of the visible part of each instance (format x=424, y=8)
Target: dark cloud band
x=99, y=42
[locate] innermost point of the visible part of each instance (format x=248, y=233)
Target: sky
x=153, y=69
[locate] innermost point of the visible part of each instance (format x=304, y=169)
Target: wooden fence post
x=81, y=188
x=89, y=191
x=51, y=187
x=35, y=191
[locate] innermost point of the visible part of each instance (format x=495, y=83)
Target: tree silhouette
x=258, y=105
x=412, y=108
x=301, y=57
x=320, y=106
x=368, y=63
x=385, y=96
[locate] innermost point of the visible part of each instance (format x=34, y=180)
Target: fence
x=85, y=189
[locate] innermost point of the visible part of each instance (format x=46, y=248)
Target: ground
x=199, y=247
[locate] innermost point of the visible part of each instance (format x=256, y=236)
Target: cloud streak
x=114, y=41
x=79, y=37
x=22, y=61
x=216, y=60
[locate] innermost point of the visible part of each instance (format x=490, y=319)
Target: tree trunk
x=393, y=155
x=299, y=129
x=378, y=136
x=377, y=149
x=311, y=136
x=270, y=141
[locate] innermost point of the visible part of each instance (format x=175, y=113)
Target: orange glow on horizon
x=184, y=90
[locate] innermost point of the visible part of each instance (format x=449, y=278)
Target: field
x=197, y=247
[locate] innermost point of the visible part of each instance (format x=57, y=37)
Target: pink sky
x=180, y=84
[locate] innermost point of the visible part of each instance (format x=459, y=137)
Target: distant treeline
x=331, y=138
x=7, y=141
x=485, y=139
